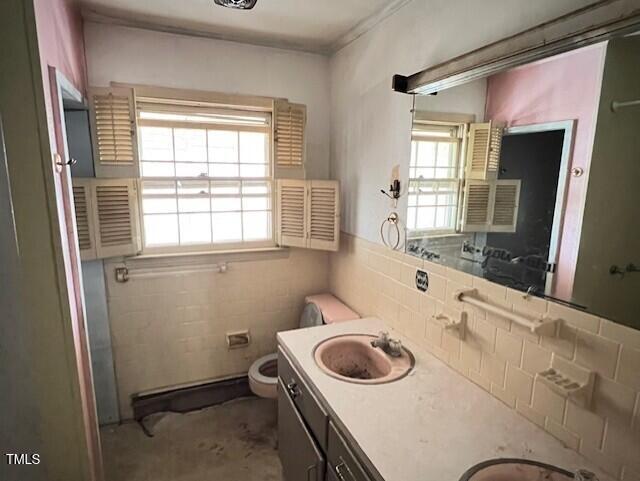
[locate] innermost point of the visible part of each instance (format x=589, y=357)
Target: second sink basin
x=351, y=358
x=509, y=469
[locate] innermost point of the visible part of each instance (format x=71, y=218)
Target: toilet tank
x=325, y=309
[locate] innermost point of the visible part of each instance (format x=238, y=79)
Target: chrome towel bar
x=469, y=296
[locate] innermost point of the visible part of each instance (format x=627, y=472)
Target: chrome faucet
x=392, y=347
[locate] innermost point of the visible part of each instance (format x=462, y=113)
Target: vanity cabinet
x=341, y=462
x=310, y=446
x=300, y=455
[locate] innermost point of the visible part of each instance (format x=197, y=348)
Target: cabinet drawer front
x=341, y=461
x=296, y=389
x=301, y=458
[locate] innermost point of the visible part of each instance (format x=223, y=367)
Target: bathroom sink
x=522, y=470
x=352, y=358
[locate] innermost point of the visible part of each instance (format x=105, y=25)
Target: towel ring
x=393, y=219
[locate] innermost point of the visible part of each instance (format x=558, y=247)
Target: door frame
x=62, y=89
x=568, y=126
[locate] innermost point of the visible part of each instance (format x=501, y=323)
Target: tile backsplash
x=169, y=330
x=502, y=357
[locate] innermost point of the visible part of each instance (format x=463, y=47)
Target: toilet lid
x=331, y=308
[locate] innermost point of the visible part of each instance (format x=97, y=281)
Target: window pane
x=414, y=153
x=258, y=187
x=446, y=199
x=256, y=225
x=193, y=196
x=227, y=227
x=443, y=217
x=156, y=143
x=225, y=204
x=253, y=148
x=255, y=203
x=444, y=173
x=190, y=145
x=161, y=229
x=158, y=205
x=424, y=173
x=223, y=170
x=445, y=157
x=158, y=169
x=192, y=170
x=411, y=218
x=225, y=188
x=158, y=187
x=254, y=170
x=427, y=199
x=426, y=154
x=195, y=228
x=193, y=187
x=223, y=146
x=194, y=204
x=426, y=217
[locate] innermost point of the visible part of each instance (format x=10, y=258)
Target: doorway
x=63, y=91
x=539, y=155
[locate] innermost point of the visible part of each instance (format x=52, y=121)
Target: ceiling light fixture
x=238, y=4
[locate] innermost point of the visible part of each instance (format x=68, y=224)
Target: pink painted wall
x=60, y=38
x=566, y=87
x=61, y=45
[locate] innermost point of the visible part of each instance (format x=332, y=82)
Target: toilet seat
x=254, y=370
x=262, y=384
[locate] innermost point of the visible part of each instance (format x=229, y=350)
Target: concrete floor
x=236, y=441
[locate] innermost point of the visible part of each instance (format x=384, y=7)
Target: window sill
x=438, y=235
x=200, y=259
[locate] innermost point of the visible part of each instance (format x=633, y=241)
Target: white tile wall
x=170, y=330
x=503, y=358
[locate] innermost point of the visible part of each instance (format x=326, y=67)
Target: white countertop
x=433, y=424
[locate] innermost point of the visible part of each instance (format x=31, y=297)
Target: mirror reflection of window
x=434, y=177
x=527, y=178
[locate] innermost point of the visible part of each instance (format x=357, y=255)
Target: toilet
x=319, y=309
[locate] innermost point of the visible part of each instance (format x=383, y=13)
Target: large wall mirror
x=530, y=178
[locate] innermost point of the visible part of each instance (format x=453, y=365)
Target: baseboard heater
x=191, y=398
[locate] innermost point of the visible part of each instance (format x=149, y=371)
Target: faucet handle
x=383, y=336
x=584, y=475
x=395, y=347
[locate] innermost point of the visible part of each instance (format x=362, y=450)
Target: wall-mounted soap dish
x=456, y=323
x=569, y=380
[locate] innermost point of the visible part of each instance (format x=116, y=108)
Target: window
x=206, y=177
x=434, y=176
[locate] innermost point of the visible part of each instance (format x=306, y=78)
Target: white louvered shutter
x=292, y=212
x=113, y=130
x=84, y=218
x=477, y=203
x=289, y=139
x=324, y=214
x=483, y=151
x=116, y=217
x=506, y=201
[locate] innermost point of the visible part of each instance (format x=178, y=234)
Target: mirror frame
x=594, y=23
